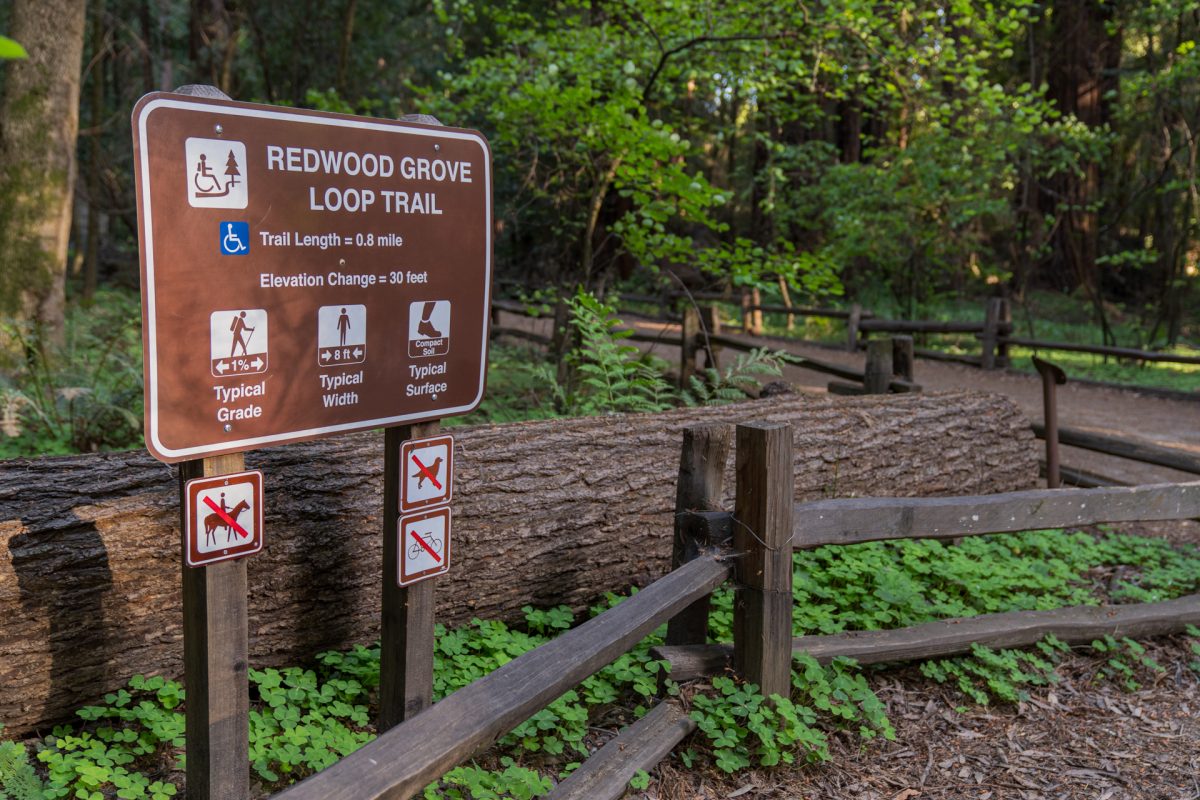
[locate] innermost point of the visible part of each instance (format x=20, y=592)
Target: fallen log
x=954, y=637
x=546, y=512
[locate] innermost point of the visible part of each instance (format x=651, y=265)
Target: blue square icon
x=235, y=238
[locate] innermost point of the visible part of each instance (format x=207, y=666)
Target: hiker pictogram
x=428, y=328
x=224, y=517
x=238, y=342
x=341, y=335
x=424, y=549
x=428, y=472
x=216, y=173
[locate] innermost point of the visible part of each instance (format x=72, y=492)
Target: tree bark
x=39, y=123
x=545, y=513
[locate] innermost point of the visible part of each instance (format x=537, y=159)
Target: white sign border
x=428, y=512
x=407, y=446
x=157, y=447
x=258, y=517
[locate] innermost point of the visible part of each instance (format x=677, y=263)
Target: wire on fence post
x=762, y=617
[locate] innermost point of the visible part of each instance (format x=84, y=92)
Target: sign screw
x=228, y=427
x=341, y=262
x=433, y=396
x=437, y=147
x=219, y=129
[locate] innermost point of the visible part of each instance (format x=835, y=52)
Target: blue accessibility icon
x=235, y=238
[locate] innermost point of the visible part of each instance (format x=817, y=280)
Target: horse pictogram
x=217, y=520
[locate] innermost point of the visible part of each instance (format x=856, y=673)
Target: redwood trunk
x=545, y=513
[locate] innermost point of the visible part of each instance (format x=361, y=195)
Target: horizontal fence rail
x=954, y=637
x=1171, y=457
x=404, y=760
x=1101, y=350
x=921, y=326
x=872, y=519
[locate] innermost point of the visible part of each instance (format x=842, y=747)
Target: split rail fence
x=752, y=546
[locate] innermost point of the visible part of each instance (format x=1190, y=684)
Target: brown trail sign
x=303, y=275
x=306, y=274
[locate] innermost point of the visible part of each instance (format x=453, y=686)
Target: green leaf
x=11, y=49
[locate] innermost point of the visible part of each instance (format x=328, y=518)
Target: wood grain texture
x=878, y=374
x=954, y=637
x=607, y=772
x=872, y=519
x=407, y=612
x=404, y=760
x=700, y=487
x=89, y=586
x=216, y=660
x=762, y=604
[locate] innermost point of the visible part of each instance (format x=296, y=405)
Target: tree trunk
x=545, y=513
x=39, y=122
x=1084, y=56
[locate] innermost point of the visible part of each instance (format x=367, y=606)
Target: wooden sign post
x=304, y=275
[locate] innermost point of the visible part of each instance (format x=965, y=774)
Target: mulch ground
x=1085, y=737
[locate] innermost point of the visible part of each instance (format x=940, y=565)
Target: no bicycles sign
x=306, y=274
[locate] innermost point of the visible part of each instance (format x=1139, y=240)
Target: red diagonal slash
x=228, y=519
x=421, y=541
x=428, y=474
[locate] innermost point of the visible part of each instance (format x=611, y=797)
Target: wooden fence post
x=1005, y=330
x=747, y=321
x=852, y=323
x=757, y=315
x=878, y=376
x=406, y=627
x=710, y=318
x=701, y=484
x=689, y=332
x=903, y=357
x=216, y=651
x=762, y=534
x=991, y=332
x=215, y=659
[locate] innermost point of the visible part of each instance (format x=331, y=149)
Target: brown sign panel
x=306, y=274
x=224, y=517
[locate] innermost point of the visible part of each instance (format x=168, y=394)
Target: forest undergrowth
x=304, y=718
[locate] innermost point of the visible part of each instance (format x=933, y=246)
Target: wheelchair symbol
x=235, y=238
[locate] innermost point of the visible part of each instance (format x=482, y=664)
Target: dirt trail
x=1114, y=412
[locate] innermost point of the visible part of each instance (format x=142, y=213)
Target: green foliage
x=521, y=385
x=1194, y=632
x=743, y=729
x=10, y=49
x=84, y=397
x=713, y=387
x=123, y=753
x=471, y=782
x=305, y=719
x=17, y=778
x=640, y=780
x=1000, y=674
x=303, y=724
x=612, y=376
x=1125, y=661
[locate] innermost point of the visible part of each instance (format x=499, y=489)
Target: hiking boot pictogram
x=425, y=328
